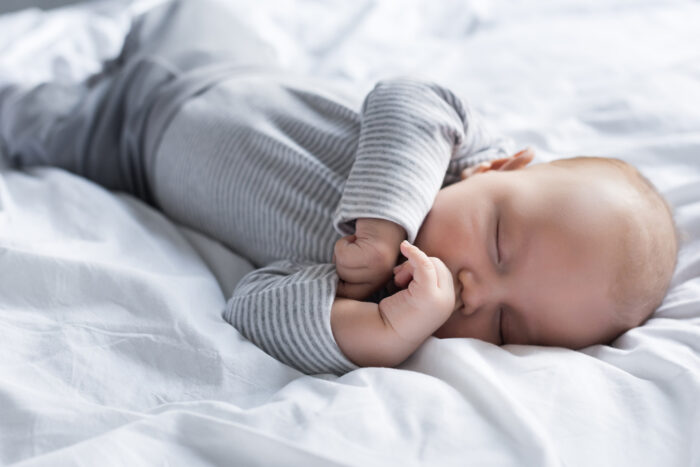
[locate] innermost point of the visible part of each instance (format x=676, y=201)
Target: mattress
x=113, y=350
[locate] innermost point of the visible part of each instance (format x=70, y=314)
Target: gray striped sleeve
x=478, y=144
x=284, y=308
x=413, y=136
x=407, y=135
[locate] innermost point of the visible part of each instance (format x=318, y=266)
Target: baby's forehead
x=583, y=221
x=607, y=215
x=580, y=199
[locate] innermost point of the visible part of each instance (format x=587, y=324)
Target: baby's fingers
x=403, y=274
x=424, y=272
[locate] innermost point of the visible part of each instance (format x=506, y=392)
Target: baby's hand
x=419, y=310
x=364, y=260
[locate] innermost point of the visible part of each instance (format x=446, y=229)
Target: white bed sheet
x=112, y=346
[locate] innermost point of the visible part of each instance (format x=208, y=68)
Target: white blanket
x=112, y=346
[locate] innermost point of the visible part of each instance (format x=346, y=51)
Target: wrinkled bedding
x=113, y=350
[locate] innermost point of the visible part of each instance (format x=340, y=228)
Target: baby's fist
x=364, y=260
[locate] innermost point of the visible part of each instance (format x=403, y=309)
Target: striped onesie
x=275, y=167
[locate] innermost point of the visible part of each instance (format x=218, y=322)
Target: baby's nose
x=470, y=294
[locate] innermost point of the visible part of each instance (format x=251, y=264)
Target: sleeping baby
x=569, y=253
x=325, y=194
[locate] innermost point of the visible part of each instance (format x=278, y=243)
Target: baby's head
x=568, y=253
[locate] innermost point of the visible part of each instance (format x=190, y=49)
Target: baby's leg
x=97, y=128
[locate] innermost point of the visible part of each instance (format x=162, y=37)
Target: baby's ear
x=475, y=169
x=514, y=162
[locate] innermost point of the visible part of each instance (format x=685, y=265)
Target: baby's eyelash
x=498, y=243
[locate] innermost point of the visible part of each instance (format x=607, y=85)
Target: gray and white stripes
x=278, y=169
x=407, y=137
x=298, y=328
x=193, y=118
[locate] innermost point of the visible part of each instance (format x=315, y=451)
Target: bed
x=113, y=350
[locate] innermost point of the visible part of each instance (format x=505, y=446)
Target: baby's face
x=528, y=253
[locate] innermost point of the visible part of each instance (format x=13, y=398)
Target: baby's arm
x=284, y=308
x=414, y=137
x=407, y=135
x=290, y=310
x=410, y=130
x=364, y=335
x=388, y=333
